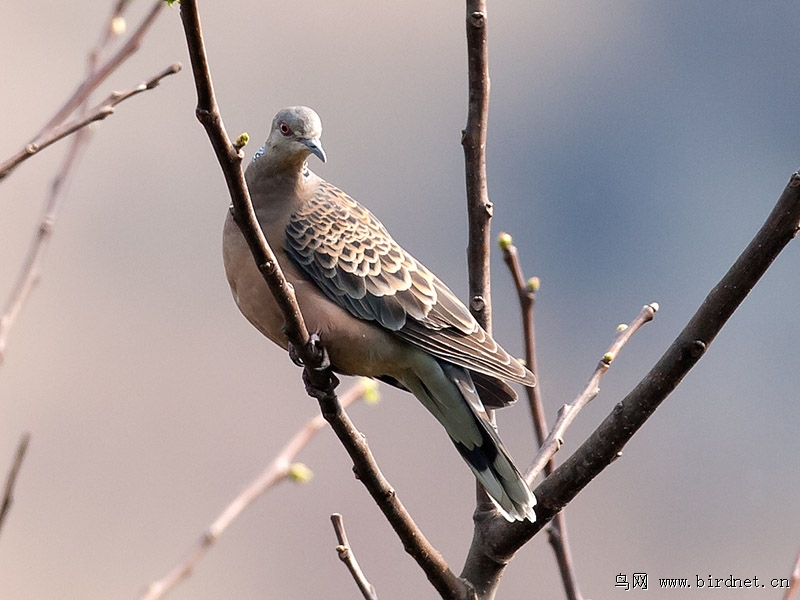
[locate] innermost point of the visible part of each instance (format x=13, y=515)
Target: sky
x=634, y=149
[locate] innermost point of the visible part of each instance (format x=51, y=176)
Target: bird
x=378, y=311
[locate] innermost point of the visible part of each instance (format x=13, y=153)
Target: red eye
x=285, y=129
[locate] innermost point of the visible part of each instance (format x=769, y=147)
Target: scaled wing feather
x=343, y=248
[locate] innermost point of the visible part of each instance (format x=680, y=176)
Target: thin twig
x=30, y=271
x=281, y=468
x=369, y=474
x=498, y=540
x=11, y=480
x=98, y=113
x=559, y=541
x=568, y=412
x=794, y=581
x=96, y=76
x=348, y=557
x=320, y=381
x=526, y=292
x=101, y=73
x=29, y=274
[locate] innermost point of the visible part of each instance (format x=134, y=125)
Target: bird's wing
x=349, y=254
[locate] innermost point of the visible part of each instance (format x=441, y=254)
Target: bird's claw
x=319, y=352
x=319, y=380
x=294, y=356
x=317, y=390
x=316, y=350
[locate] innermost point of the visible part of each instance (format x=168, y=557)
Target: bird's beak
x=316, y=148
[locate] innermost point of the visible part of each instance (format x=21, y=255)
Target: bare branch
x=98, y=113
x=568, y=412
x=496, y=542
x=281, y=468
x=479, y=208
x=97, y=74
x=11, y=480
x=320, y=381
x=557, y=536
x=348, y=557
x=367, y=472
x=51, y=132
x=30, y=272
x=101, y=73
x=473, y=139
x=526, y=292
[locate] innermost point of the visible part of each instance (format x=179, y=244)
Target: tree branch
x=101, y=73
x=30, y=271
x=498, y=541
x=568, y=412
x=98, y=113
x=51, y=132
x=473, y=139
x=11, y=480
x=230, y=160
x=281, y=468
x=320, y=381
x=367, y=472
x=479, y=208
x=348, y=557
x=526, y=293
x=97, y=74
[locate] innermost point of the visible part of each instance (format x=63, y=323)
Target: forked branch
x=348, y=557
x=497, y=541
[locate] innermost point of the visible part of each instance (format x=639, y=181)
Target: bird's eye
x=285, y=129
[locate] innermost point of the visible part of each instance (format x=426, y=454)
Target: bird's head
x=295, y=134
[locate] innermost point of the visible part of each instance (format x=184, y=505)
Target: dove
x=377, y=310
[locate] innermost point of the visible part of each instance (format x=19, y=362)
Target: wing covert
x=350, y=255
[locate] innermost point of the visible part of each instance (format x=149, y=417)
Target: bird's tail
x=456, y=405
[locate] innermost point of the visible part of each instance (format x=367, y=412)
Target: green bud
x=242, y=140
x=300, y=473
x=371, y=393
x=504, y=240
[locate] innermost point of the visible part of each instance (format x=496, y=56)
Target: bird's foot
x=319, y=380
x=320, y=385
x=294, y=356
x=321, y=359
x=319, y=352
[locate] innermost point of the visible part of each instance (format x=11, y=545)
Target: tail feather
x=489, y=460
x=449, y=393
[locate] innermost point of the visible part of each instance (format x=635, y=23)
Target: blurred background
x=634, y=149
